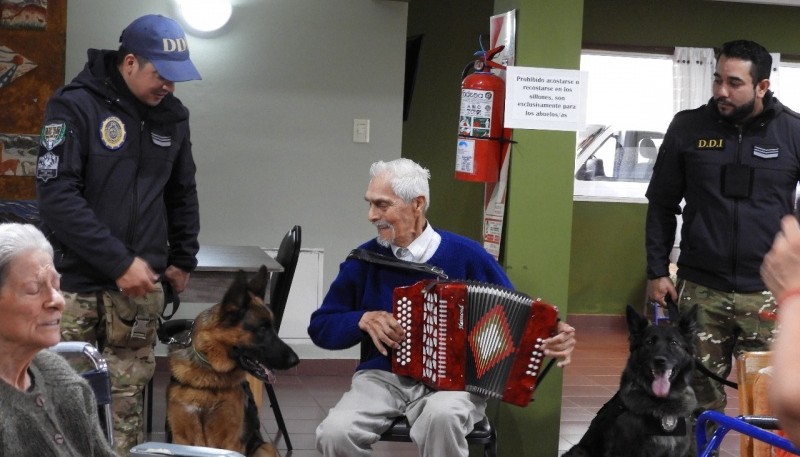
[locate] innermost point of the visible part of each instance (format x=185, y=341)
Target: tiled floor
x=589, y=382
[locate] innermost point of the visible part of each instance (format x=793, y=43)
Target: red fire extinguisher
x=480, y=127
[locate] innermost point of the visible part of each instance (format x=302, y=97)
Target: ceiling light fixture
x=205, y=16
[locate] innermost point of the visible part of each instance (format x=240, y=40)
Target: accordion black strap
x=544, y=371
x=374, y=257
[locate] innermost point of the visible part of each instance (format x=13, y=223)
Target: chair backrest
x=748, y=366
x=648, y=149
x=81, y=355
x=625, y=158
x=280, y=283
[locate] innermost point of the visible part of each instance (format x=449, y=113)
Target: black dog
x=649, y=415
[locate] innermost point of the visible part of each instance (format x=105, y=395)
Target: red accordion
x=472, y=336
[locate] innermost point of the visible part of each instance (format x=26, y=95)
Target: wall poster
x=32, y=58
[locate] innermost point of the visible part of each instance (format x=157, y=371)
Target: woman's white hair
x=18, y=238
x=409, y=180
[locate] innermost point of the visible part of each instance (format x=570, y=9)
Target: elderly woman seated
x=47, y=409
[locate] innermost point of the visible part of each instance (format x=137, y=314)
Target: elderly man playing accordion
x=359, y=305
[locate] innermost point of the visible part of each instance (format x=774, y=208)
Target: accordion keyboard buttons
x=536, y=358
x=403, y=353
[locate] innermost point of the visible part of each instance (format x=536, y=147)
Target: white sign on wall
x=545, y=99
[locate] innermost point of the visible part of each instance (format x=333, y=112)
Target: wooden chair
x=762, y=407
x=748, y=367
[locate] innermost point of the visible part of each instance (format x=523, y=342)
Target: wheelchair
x=78, y=354
x=757, y=427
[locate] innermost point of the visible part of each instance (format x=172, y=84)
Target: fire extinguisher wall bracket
x=480, y=131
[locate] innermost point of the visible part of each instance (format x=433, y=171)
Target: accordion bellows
x=472, y=336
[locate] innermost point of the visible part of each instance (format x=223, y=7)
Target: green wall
x=698, y=23
x=607, y=266
x=607, y=254
x=539, y=216
x=608, y=259
x=539, y=213
x=587, y=257
x=450, y=37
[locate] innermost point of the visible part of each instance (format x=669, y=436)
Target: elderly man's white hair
x=409, y=180
x=18, y=238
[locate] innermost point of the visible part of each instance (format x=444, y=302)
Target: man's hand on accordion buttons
x=561, y=345
x=383, y=329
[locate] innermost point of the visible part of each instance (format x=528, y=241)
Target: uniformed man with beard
x=735, y=162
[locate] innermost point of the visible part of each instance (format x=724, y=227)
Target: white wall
x=272, y=119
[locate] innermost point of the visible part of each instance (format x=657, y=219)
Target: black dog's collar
x=670, y=426
x=654, y=426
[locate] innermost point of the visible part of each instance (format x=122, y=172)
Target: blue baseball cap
x=162, y=41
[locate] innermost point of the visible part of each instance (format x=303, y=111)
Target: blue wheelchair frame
x=753, y=426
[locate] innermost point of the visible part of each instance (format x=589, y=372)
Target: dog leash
x=170, y=296
x=674, y=313
x=702, y=368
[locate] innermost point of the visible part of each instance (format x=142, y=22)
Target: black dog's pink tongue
x=661, y=384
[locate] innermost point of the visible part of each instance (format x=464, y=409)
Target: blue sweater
x=362, y=286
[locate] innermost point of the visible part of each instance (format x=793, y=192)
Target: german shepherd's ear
x=636, y=323
x=234, y=304
x=258, y=285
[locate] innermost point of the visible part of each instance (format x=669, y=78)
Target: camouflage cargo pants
x=728, y=324
x=123, y=329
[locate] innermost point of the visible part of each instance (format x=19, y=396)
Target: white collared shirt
x=422, y=248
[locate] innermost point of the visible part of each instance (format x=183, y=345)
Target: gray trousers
x=440, y=420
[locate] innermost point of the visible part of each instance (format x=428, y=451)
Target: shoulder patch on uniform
x=164, y=141
x=47, y=166
x=766, y=151
x=113, y=133
x=53, y=134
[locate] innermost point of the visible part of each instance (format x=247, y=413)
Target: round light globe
x=205, y=15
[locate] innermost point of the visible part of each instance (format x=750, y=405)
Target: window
x=631, y=91
x=628, y=108
x=788, y=88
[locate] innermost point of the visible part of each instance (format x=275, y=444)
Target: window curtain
x=693, y=75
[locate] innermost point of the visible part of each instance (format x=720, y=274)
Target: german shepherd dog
x=649, y=415
x=209, y=402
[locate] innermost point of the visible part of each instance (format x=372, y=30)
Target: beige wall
x=272, y=119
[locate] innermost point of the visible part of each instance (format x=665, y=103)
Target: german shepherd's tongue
x=257, y=369
x=661, y=383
